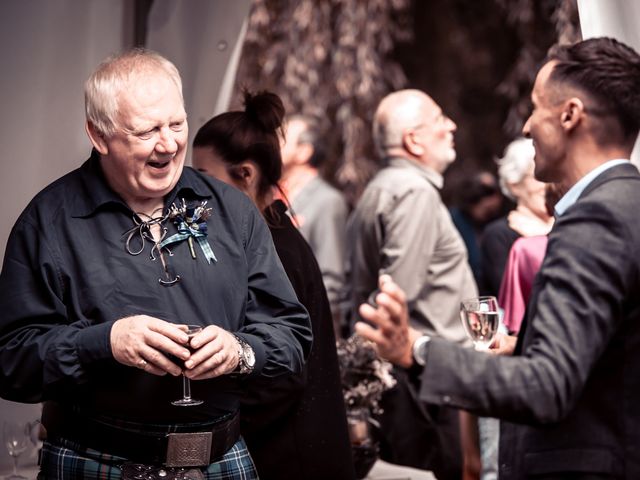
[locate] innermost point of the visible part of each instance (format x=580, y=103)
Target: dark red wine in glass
x=186, y=400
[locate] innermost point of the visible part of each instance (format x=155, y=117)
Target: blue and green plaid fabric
x=66, y=460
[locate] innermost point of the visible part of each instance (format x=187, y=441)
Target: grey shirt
x=401, y=227
x=321, y=213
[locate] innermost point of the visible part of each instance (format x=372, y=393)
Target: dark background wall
x=477, y=59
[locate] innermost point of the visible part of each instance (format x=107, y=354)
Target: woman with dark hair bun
x=295, y=427
x=242, y=148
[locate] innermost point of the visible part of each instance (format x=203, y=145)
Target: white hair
x=396, y=113
x=515, y=164
x=115, y=75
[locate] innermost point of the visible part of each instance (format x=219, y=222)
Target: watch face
x=250, y=356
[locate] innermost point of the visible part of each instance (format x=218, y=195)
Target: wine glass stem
x=186, y=388
x=15, y=465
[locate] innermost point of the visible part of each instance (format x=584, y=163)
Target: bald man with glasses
x=401, y=227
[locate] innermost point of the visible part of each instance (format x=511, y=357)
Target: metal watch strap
x=243, y=350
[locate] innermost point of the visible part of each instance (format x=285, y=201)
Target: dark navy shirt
x=67, y=277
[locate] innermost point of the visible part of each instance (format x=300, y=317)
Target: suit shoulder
x=617, y=195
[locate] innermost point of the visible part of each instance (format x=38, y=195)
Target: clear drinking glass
x=16, y=439
x=480, y=317
x=186, y=400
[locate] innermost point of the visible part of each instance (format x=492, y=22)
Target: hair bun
x=264, y=109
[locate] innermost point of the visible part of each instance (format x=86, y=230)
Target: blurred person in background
x=530, y=217
x=525, y=258
x=319, y=209
x=479, y=201
x=401, y=227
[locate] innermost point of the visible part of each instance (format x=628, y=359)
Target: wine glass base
x=14, y=476
x=186, y=402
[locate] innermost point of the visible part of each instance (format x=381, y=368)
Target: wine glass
x=186, y=400
x=480, y=317
x=16, y=439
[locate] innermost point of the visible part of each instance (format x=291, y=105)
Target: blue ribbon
x=184, y=232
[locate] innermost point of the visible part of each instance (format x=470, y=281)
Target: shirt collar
x=97, y=194
x=429, y=174
x=574, y=192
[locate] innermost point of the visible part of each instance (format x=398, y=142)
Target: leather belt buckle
x=189, y=449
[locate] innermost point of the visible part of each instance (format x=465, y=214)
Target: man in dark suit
x=569, y=397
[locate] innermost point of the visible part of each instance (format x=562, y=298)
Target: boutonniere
x=190, y=218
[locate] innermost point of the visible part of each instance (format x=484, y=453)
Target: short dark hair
x=252, y=134
x=608, y=71
x=311, y=135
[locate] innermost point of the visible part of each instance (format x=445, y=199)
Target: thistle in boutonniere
x=190, y=218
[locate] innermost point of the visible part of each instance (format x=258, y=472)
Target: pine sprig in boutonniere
x=190, y=218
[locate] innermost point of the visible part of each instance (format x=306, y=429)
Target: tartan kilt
x=66, y=460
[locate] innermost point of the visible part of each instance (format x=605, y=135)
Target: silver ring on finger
x=142, y=363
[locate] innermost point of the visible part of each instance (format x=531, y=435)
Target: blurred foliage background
x=335, y=59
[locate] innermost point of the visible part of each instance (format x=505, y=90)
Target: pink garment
x=525, y=258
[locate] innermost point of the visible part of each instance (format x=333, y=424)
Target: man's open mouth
x=158, y=164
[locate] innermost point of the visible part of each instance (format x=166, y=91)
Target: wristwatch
x=419, y=350
x=246, y=357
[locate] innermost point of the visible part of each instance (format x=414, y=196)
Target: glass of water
x=480, y=317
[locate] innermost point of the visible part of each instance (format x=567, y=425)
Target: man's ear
x=97, y=138
x=572, y=113
x=411, y=144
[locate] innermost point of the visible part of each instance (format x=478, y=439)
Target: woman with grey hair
x=515, y=165
x=530, y=217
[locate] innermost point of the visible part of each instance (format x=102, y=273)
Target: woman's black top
x=296, y=427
